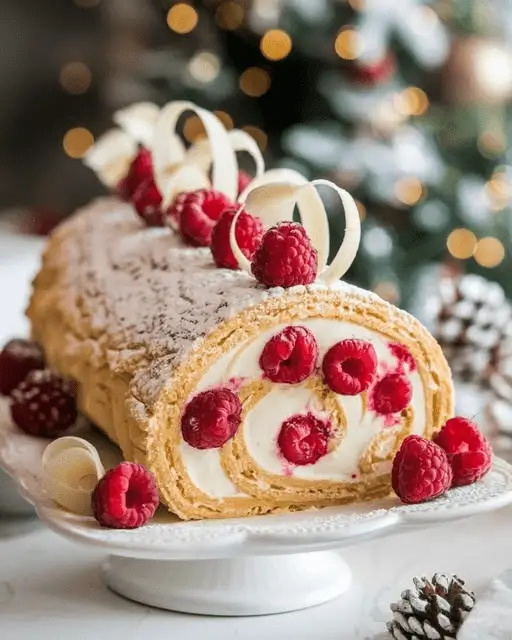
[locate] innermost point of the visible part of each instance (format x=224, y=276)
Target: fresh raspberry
x=141, y=170
x=44, y=404
x=211, y=418
x=285, y=257
x=467, y=449
x=290, y=356
x=18, y=358
x=390, y=394
x=421, y=471
x=122, y=190
x=249, y=231
x=304, y=439
x=244, y=180
x=147, y=201
x=349, y=366
x=200, y=210
x=173, y=214
x=126, y=497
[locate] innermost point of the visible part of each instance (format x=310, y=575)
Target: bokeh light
x=409, y=191
x=348, y=44
x=388, y=291
x=255, y=82
x=258, y=134
x=229, y=15
x=498, y=190
x=182, y=18
x=193, y=129
x=461, y=243
x=412, y=101
x=225, y=118
x=275, y=44
x=77, y=141
x=489, y=252
x=204, y=66
x=361, y=208
x=75, y=77
x=490, y=143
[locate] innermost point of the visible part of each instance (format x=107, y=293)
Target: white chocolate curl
x=71, y=470
x=275, y=202
x=138, y=121
x=111, y=156
x=174, y=174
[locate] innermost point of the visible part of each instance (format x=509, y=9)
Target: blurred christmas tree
x=404, y=103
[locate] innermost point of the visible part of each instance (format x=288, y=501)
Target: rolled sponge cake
x=144, y=324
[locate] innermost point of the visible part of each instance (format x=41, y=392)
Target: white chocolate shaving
x=224, y=164
x=71, y=470
x=200, y=152
x=348, y=250
x=273, y=175
x=138, y=120
x=275, y=202
x=110, y=157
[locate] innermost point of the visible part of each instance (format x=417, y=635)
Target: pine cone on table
x=434, y=610
x=473, y=318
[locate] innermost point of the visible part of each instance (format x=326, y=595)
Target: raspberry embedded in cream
x=304, y=438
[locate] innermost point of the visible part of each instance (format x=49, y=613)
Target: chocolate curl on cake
x=275, y=202
x=138, y=120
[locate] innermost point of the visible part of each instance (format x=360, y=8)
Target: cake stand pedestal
x=238, y=567
x=231, y=587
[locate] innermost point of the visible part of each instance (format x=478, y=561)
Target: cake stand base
x=231, y=586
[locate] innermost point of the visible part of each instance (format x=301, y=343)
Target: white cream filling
x=263, y=422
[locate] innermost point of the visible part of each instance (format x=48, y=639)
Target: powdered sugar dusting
x=147, y=297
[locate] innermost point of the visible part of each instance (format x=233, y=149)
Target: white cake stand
x=248, y=566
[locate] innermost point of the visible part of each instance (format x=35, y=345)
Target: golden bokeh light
x=489, y=252
x=75, y=77
x=409, y=191
x=225, y=118
x=275, y=44
x=491, y=143
x=193, y=129
x=204, y=66
x=77, y=141
x=229, y=15
x=255, y=82
x=461, y=243
x=182, y=18
x=258, y=134
x=388, y=291
x=348, y=44
x=412, y=101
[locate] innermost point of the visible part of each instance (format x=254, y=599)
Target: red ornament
x=372, y=73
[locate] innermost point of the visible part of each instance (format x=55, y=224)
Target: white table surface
x=51, y=589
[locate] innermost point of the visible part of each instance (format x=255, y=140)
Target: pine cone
x=473, y=317
x=434, y=610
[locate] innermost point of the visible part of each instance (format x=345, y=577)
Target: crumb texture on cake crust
x=137, y=318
